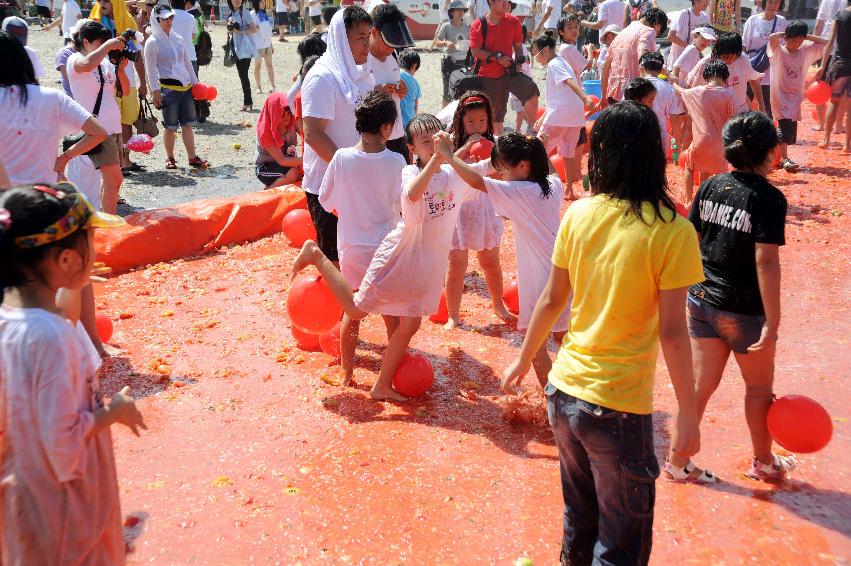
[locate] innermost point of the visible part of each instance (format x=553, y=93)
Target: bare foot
x=307, y=256
x=387, y=395
x=452, y=323
x=823, y=144
x=501, y=312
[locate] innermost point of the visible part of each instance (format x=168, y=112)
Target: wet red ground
x=252, y=457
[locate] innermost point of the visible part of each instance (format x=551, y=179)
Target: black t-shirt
x=732, y=213
x=843, y=43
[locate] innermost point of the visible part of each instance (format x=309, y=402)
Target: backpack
x=204, y=49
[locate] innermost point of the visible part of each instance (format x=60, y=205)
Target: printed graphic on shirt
x=439, y=203
x=725, y=215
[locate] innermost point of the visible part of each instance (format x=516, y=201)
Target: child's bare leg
x=455, y=286
x=577, y=171
x=391, y=323
x=349, y=331
x=518, y=122
x=396, y=347
x=310, y=254
x=492, y=269
x=542, y=365
x=270, y=70
x=783, y=149
x=758, y=372
x=688, y=185
x=569, y=174
x=257, y=62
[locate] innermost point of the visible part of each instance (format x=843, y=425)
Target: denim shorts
x=178, y=109
x=738, y=330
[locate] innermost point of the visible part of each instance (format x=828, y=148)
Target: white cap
x=706, y=32
x=163, y=12
x=611, y=28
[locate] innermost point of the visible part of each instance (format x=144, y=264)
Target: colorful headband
x=473, y=99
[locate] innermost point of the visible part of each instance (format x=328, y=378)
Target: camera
x=233, y=26
x=130, y=52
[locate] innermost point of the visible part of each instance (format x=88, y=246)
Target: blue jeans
x=608, y=474
x=738, y=330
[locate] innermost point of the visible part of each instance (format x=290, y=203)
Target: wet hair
x=654, y=17
x=626, y=158
x=307, y=65
x=459, y=136
x=543, y=41
x=384, y=14
x=422, y=123
x=16, y=69
x=90, y=31
x=727, y=44
x=376, y=110
x=716, y=68
x=564, y=19
x=748, y=138
x=512, y=148
x=328, y=13
x=638, y=89
x=354, y=15
x=31, y=212
x=409, y=58
x=796, y=29
x=653, y=61
x=310, y=45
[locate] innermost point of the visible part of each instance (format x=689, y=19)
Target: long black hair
x=512, y=148
x=748, y=138
x=30, y=211
x=627, y=160
x=472, y=100
x=16, y=69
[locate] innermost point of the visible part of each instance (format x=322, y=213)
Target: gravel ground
x=227, y=127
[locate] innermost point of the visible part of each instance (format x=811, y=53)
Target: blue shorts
x=738, y=330
x=178, y=109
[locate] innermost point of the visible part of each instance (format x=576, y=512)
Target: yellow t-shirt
x=617, y=265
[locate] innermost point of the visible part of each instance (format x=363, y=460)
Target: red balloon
x=799, y=424
x=683, y=158
x=594, y=100
x=305, y=341
x=312, y=306
x=442, y=314
x=141, y=143
x=200, y=92
x=297, y=226
x=540, y=112
x=104, y=326
x=511, y=298
x=481, y=149
x=818, y=92
x=558, y=163
x=330, y=342
x=681, y=209
x=212, y=93
x=414, y=376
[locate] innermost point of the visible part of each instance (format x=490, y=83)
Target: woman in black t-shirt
x=740, y=218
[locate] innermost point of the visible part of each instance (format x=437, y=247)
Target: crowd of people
x=702, y=287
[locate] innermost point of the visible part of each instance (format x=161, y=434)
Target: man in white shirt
x=70, y=14
x=549, y=18
x=682, y=27
x=184, y=26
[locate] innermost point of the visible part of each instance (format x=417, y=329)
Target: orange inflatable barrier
x=198, y=227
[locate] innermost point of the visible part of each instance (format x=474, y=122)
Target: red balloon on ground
x=200, y=92
x=799, y=424
x=818, y=92
x=212, y=93
x=481, y=149
x=511, y=298
x=141, y=143
x=540, y=112
x=312, y=307
x=414, y=376
x=558, y=163
x=104, y=326
x=330, y=342
x=442, y=314
x=304, y=340
x=297, y=226
x=681, y=209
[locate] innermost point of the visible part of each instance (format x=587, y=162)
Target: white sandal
x=687, y=474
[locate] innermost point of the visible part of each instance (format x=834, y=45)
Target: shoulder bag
x=467, y=78
x=230, y=52
x=68, y=141
x=759, y=57
x=146, y=123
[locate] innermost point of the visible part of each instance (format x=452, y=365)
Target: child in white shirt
x=362, y=185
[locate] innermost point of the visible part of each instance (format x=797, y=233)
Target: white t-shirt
x=315, y=8
x=85, y=87
x=756, y=33
x=665, y=105
x=574, y=58
x=536, y=220
x=38, y=69
x=291, y=94
x=555, y=13
x=827, y=11
x=263, y=37
x=184, y=26
x=45, y=3
x=481, y=7
x=321, y=98
x=30, y=135
x=280, y=6
x=787, y=80
x=611, y=12
x=386, y=72
x=740, y=73
x=682, y=27
x=564, y=107
x=686, y=62
x=70, y=14
x=364, y=189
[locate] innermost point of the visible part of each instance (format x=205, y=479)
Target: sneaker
x=789, y=165
x=772, y=473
